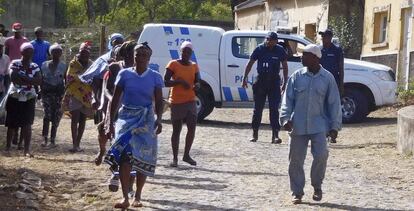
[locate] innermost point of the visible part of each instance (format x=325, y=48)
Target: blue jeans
x=297, y=155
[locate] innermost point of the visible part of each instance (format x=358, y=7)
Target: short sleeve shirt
x=138, y=90
x=331, y=58
x=268, y=60
x=23, y=92
x=41, y=49
x=187, y=73
x=13, y=45
x=4, y=70
x=56, y=77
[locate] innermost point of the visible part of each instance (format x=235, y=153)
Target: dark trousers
x=266, y=87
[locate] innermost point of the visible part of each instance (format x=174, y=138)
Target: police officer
x=268, y=55
x=332, y=58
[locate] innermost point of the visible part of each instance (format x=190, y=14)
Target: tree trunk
x=90, y=11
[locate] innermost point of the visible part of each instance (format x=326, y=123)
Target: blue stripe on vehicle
x=168, y=30
x=174, y=54
x=243, y=94
x=227, y=94
x=184, y=31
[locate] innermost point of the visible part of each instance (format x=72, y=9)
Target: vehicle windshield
x=309, y=40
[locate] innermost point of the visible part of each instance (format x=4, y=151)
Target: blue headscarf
x=113, y=37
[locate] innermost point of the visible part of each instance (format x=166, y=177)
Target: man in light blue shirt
x=311, y=108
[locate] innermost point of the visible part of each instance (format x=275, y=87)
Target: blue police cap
x=271, y=35
x=327, y=32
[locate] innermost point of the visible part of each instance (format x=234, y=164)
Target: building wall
x=30, y=13
x=252, y=19
x=299, y=13
x=389, y=52
x=284, y=13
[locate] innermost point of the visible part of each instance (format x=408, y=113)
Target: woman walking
x=20, y=105
x=78, y=95
x=183, y=76
x=136, y=129
x=52, y=90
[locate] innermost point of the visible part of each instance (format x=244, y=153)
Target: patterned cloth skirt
x=135, y=140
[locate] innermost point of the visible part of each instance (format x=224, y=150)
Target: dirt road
x=364, y=172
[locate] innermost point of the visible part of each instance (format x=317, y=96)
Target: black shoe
x=297, y=199
x=276, y=140
x=317, y=194
x=255, y=135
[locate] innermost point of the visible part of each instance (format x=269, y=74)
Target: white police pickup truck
x=222, y=57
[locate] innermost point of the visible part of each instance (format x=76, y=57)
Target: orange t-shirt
x=187, y=73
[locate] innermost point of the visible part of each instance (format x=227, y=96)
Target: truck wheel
x=354, y=106
x=204, y=103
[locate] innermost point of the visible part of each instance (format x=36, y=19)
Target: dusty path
x=365, y=172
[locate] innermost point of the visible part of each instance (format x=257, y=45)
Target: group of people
x=124, y=97
x=118, y=90
x=310, y=109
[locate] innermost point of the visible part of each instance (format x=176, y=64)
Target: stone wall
x=405, y=143
x=30, y=13
x=389, y=60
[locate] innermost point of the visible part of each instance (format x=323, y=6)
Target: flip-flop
x=174, y=163
x=190, y=161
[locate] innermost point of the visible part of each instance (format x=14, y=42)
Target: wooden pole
x=102, y=46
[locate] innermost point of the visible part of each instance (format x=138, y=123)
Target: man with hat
x=332, y=58
x=41, y=47
x=14, y=42
x=311, y=108
x=268, y=55
x=4, y=72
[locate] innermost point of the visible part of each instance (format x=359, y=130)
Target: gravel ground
x=365, y=171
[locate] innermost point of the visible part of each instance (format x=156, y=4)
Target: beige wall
x=393, y=31
x=251, y=19
x=302, y=12
x=284, y=13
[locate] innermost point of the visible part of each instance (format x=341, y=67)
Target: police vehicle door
x=236, y=58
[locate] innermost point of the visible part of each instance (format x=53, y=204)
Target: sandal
x=190, y=161
x=99, y=158
x=137, y=203
x=122, y=205
x=174, y=163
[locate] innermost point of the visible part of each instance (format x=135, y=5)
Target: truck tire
x=354, y=106
x=204, y=103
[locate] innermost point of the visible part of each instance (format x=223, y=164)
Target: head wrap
x=186, y=44
x=25, y=46
x=143, y=46
x=113, y=37
x=54, y=47
x=85, y=46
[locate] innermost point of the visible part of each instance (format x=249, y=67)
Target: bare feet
x=137, y=203
x=122, y=205
x=189, y=160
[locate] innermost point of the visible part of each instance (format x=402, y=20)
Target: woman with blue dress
x=135, y=130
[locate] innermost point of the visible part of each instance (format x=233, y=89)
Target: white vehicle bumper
x=388, y=91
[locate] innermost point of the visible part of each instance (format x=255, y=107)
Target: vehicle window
x=293, y=49
x=242, y=47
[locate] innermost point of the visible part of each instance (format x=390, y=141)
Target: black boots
x=275, y=137
x=255, y=135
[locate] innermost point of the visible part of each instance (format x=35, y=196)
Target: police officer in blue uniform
x=269, y=55
x=332, y=58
